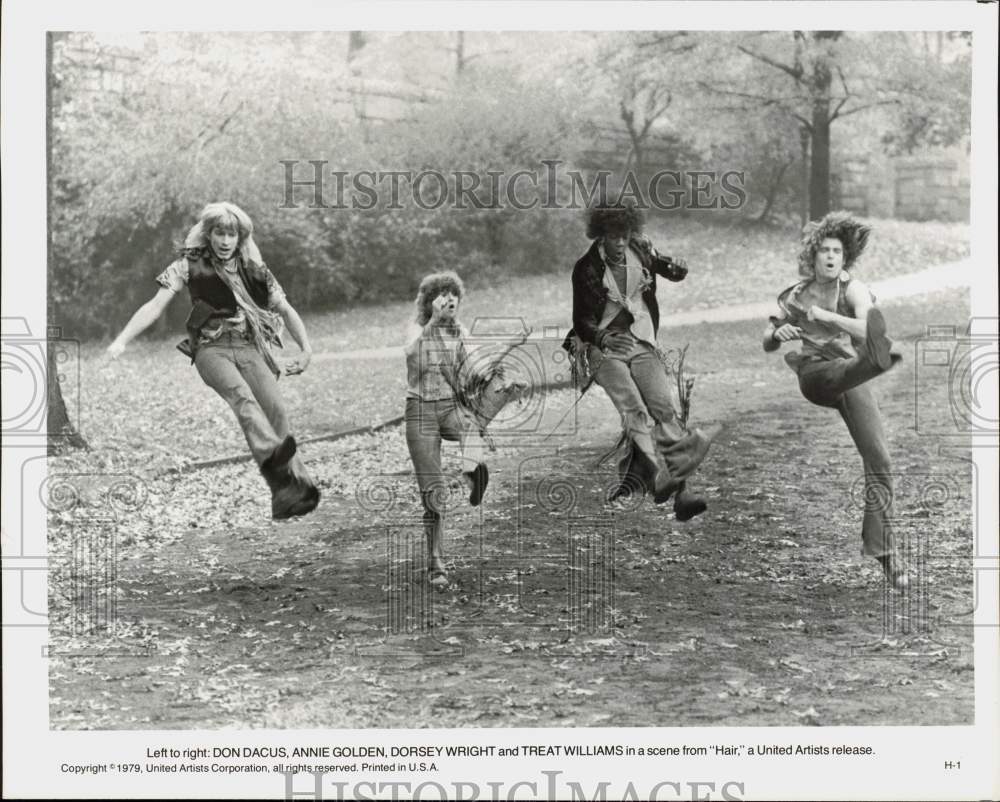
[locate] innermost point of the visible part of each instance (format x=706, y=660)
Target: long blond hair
x=224, y=215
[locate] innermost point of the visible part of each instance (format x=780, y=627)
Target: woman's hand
x=442, y=308
x=787, y=333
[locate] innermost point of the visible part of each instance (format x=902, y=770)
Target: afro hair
x=614, y=218
x=853, y=235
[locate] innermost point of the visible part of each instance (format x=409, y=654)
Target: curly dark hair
x=853, y=235
x=431, y=287
x=614, y=218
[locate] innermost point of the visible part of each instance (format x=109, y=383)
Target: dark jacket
x=590, y=294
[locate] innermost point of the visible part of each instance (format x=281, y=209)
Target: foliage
x=131, y=169
x=197, y=120
x=815, y=79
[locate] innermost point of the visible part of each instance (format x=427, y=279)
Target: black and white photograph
x=459, y=407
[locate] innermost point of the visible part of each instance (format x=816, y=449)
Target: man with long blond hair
x=238, y=311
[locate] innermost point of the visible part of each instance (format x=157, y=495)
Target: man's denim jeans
x=638, y=386
x=840, y=384
x=234, y=368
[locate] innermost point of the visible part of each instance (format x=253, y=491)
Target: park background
x=146, y=128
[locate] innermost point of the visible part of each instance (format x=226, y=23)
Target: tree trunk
x=804, y=137
x=819, y=172
x=61, y=431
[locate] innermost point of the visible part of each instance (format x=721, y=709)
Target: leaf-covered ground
x=562, y=611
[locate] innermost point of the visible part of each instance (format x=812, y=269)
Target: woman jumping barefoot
x=436, y=368
x=844, y=345
x=237, y=313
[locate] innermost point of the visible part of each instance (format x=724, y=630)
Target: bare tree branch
x=795, y=72
x=865, y=107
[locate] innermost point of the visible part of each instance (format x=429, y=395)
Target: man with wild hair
x=844, y=346
x=615, y=322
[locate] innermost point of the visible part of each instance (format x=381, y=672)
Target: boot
x=290, y=495
x=687, y=506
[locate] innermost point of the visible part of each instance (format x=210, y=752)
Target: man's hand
x=296, y=366
x=817, y=314
x=616, y=344
x=787, y=333
x=680, y=269
x=115, y=350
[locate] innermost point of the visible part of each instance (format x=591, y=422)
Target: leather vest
x=205, y=286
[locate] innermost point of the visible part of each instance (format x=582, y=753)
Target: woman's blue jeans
x=427, y=424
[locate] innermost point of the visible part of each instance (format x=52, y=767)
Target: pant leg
x=218, y=366
x=423, y=439
x=682, y=451
x=458, y=425
x=654, y=386
x=860, y=412
x=615, y=378
x=264, y=386
x=823, y=382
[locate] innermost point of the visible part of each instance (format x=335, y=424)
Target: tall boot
x=291, y=495
x=687, y=505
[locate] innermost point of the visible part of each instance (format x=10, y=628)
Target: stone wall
x=929, y=186
x=96, y=64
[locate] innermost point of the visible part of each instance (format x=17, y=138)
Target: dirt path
x=563, y=612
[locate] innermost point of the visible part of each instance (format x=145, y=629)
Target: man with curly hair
x=615, y=321
x=844, y=346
